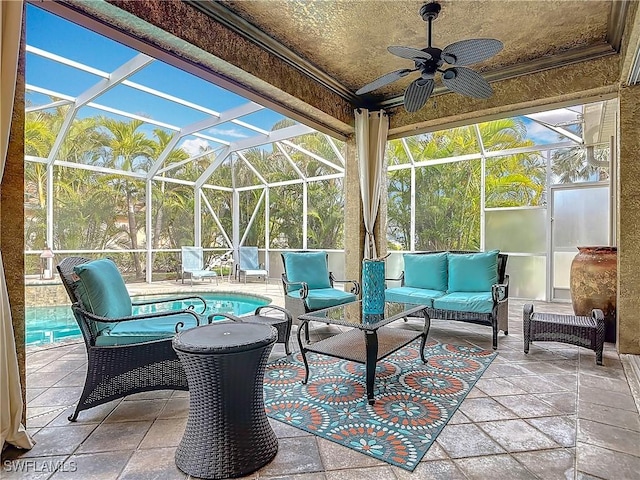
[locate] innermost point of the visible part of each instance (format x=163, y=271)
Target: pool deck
x=550, y=414
x=272, y=289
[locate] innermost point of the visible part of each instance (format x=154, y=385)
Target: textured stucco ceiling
x=306, y=59
x=348, y=39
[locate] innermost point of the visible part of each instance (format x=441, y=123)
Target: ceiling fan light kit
x=431, y=60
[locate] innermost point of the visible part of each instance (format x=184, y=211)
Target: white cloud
x=195, y=146
x=540, y=133
x=228, y=132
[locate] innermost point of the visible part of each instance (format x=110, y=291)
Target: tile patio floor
x=550, y=414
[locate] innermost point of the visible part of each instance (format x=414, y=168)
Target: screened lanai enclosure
x=129, y=157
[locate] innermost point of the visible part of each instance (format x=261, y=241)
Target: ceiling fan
x=431, y=59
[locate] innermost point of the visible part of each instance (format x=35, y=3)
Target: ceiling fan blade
x=471, y=51
x=466, y=82
x=417, y=94
x=408, y=52
x=384, y=80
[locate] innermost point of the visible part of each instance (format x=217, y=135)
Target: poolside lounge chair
x=127, y=353
x=249, y=265
x=193, y=265
x=308, y=284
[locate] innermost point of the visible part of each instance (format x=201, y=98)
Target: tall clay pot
x=593, y=283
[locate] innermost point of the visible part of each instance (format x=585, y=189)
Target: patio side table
x=228, y=433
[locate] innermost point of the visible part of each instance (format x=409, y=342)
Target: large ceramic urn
x=593, y=283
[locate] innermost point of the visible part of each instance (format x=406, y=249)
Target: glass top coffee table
x=370, y=339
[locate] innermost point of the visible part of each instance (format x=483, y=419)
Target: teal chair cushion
x=102, y=290
x=320, y=298
x=476, y=302
x=419, y=296
x=426, y=270
x=137, y=331
x=309, y=267
x=473, y=272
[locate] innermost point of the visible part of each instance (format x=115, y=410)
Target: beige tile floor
x=550, y=414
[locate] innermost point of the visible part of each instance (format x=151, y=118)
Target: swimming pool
x=56, y=323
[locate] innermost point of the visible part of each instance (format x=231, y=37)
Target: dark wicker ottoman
x=228, y=433
x=576, y=330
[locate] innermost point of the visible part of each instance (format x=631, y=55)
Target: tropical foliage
x=98, y=209
x=448, y=194
x=103, y=207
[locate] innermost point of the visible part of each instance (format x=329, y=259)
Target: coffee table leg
x=304, y=325
x=425, y=332
x=371, y=341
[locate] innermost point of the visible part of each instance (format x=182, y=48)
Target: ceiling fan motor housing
x=431, y=65
x=430, y=11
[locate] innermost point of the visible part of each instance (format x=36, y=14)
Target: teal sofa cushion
x=419, y=296
x=102, y=290
x=477, y=302
x=137, y=331
x=426, y=270
x=309, y=267
x=473, y=272
x=320, y=298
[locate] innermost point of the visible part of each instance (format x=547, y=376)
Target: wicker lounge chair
x=126, y=353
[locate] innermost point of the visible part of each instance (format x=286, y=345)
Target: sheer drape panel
x=11, y=403
x=371, y=139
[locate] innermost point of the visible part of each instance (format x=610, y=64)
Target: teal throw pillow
x=309, y=267
x=102, y=289
x=473, y=272
x=427, y=270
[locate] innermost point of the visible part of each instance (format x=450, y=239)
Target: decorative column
x=354, y=232
x=628, y=228
x=12, y=214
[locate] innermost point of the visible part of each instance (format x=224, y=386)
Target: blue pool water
x=55, y=323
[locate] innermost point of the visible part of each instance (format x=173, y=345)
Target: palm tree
x=130, y=150
x=38, y=140
x=165, y=196
x=448, y=195
x=571, y=166
x=516, y=180
x=82, y=144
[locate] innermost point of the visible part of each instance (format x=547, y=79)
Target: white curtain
x=11, y=404
x=371, y=140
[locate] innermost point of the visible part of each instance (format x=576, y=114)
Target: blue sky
x=61, y=37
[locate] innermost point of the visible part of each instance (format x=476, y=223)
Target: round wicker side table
x=228, y=433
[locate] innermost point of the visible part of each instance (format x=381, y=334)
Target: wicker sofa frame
x=498, y=319
x=117, y=371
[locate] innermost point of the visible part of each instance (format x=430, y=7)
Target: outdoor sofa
x=457, y=285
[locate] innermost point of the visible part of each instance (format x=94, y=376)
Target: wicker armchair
x=309, y=285
x=125, y=354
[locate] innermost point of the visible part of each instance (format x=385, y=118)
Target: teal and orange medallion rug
x=414, y=401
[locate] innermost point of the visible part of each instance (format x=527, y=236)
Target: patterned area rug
x=414, y=401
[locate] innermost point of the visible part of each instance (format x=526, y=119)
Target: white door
x=579, y=217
